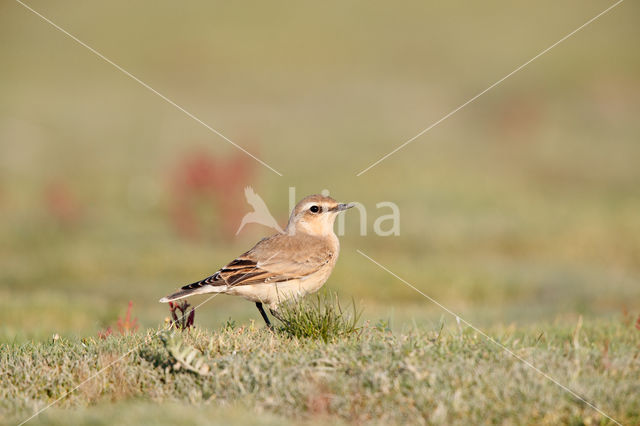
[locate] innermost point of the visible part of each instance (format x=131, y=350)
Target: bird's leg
x=264, y=314
x=277, y=315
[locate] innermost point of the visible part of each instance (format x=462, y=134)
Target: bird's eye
x=314, y=209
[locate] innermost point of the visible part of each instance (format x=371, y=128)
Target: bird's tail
x=199, y=287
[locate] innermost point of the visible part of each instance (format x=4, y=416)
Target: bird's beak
x=345, y=206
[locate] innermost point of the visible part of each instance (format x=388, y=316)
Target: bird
x=260, y=213
x=287, y=265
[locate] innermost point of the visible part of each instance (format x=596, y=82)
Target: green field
x=520, y=213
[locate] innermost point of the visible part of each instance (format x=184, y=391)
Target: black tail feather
x=201, y=283
x=189, y=289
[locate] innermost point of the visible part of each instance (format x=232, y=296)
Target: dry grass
x=422, y=376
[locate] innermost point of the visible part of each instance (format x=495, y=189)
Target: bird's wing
x=275, y=259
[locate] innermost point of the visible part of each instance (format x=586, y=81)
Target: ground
x=446, y=374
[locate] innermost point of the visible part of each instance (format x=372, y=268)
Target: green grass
x=519, y=212
x=319, y=317
x=443, y=374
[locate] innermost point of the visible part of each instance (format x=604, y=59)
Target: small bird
x=286, y=265
x=260, y=213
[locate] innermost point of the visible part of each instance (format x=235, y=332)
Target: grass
x=319, y=317
x=423, y=375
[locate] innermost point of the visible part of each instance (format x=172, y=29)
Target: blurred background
x=524, y=206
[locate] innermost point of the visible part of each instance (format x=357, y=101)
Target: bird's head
x=315, y=215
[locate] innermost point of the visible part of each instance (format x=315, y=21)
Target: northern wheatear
x=289, y=264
